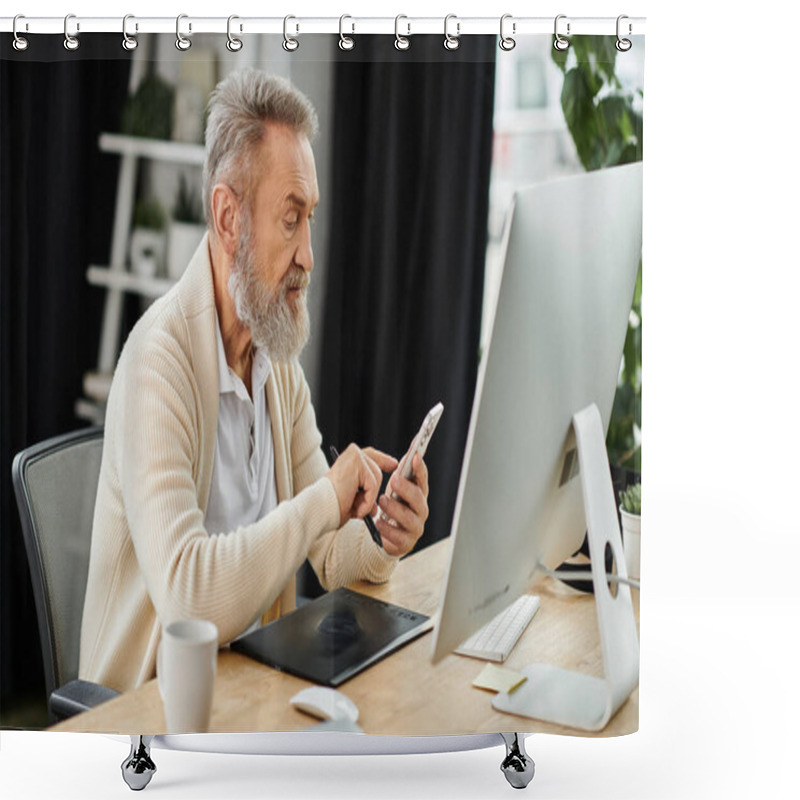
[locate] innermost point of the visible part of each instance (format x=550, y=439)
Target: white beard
x=274, y=324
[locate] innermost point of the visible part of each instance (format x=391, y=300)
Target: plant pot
x=184, y=237
x=631, y=542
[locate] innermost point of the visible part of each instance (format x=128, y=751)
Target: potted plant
x=630, y=508
x=148, y=112
x=148, y=239
x=186, y=229
x=605, y=122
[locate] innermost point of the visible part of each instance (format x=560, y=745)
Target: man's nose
x=305, y=254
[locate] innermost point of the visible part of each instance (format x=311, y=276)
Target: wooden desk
x=402, y=695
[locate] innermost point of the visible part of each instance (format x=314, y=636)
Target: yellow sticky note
x=499, y=679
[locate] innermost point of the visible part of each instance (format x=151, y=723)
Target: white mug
x=186, y=667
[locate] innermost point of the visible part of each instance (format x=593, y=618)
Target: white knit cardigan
x=151, y=560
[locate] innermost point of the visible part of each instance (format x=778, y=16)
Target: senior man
x=213, y=486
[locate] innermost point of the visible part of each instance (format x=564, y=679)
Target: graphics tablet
x=334, y=637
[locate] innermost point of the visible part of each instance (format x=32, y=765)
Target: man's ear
x=226, y=214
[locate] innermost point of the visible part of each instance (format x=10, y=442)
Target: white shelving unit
x=116, y=277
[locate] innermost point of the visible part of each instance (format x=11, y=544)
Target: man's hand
x=356, y=477
x=408, y=512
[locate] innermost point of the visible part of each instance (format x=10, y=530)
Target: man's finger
x=400, y=513
x=383, y=460
x=410, y=494
x=421, y=474
x=369, y=481
x=362, y=505
x=373, y=467
x=394, y=539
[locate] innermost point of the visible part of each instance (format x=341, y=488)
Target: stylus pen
x=368, y=521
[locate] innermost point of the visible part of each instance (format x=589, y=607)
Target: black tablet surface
x=334, y=637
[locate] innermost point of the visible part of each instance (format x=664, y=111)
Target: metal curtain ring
x=346, y=42
x=181, y=42
x=20, y=43
x=128, y=42
x=70, y=42
x=452, y=42
x=290, y=44
x=401, y=42
x=623, y=45
x=560, y=43
x=506, y=42
x=233, y=44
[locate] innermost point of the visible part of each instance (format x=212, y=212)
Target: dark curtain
x=410, y=194
x=57, y=197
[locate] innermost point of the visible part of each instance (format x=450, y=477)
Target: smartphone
x=418, y=446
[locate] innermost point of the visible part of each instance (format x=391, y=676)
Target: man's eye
x=291, y=223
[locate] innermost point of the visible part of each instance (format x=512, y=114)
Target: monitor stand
x=572, y=698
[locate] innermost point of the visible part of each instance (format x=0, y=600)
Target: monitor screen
x=572, y=256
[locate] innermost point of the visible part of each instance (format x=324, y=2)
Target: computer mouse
x=326, y=704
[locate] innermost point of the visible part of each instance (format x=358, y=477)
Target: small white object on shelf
x=148, y=247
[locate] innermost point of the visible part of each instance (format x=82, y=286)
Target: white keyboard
x=495, y=640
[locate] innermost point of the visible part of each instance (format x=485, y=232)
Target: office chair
x=55, y=483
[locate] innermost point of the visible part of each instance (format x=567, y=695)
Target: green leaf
x=587, y=64
x=614, y=152
x=638, y=132
x=626, y=127
x=631, y=499
x=637, y=292
x=582, y=120
x=559, y=56
x=607, y=56
x=608, y=132
x=148, y=113
x=633, y=357
x=597, y=54
x=611, y=110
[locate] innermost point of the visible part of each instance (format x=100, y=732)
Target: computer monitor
x=572, y=255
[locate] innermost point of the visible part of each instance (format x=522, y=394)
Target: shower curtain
x=426, y=147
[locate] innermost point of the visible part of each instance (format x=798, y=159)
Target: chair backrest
x=55, y=483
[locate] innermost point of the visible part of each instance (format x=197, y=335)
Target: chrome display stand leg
x=138, y=768
x=517, y=766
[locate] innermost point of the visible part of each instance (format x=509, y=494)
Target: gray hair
x=238, y=109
